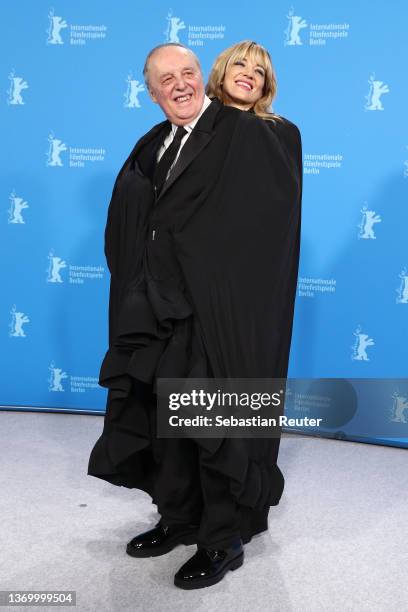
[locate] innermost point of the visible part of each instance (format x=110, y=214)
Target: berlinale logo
x=369, y=219
x=174, y=25
x=55, y=26
x=57, y=375
x=134, y=88
x=295, y=25
x=55, y=265
x=399, y=406
x=360, y=345
x=17, y=85
x=402, y=291
x=55, y=148
x=18, y=319
x=376, y=90
x=17, y=205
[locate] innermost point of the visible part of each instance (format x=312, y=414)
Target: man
x=202, y=243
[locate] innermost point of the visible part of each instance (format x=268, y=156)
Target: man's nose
x=180, y=83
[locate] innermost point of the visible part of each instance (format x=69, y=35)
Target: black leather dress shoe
x=209, y=566
x=161, y=540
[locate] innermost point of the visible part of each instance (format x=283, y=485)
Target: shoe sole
x=199, y=584
x=162, y=550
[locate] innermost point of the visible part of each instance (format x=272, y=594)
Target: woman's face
x=244, y=82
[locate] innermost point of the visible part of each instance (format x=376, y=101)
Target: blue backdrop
x=73, y=104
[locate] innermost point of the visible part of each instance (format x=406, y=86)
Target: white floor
x=338, y=541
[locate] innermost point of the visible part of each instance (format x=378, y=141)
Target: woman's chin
x=242, y=104
x=241, y=99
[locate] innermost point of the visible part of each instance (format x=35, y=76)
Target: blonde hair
x=256, y=53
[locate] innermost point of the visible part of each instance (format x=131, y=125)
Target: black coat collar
x=201, y=135
x=143, y=155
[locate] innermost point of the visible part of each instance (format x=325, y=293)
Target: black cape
x=203, y=283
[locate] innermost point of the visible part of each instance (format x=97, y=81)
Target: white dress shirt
x=189, y=128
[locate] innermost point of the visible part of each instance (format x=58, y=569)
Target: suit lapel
x=199, y=138
x=146, y=154
x=147, y=144
x=163, y=127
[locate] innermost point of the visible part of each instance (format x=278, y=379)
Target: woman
x=243, y=76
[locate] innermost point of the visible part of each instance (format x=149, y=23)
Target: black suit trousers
x=188, y=490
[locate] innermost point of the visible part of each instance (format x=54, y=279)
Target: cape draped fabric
x=203, y=283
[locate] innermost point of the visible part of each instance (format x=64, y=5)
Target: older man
x=202, y=213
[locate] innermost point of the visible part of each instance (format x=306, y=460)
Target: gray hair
x=169, y=44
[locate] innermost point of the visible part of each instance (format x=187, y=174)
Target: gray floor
x=337, y=541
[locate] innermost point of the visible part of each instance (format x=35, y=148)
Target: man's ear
x=152, y=95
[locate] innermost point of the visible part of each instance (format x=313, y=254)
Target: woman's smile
x=244, y=84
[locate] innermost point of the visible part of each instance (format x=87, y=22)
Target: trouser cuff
x=219, y=544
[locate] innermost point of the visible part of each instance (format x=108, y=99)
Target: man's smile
x=183, y=98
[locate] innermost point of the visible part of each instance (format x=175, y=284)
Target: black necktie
x=167, y=159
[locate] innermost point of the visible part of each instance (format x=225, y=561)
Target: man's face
x=176, y=84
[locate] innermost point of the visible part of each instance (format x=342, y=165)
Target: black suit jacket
x=217, y=117
x=230, y=216
x=220, y=243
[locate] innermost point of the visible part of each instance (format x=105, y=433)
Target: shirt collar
x=189, y=127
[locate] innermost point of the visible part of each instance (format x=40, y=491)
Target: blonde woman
x=243, y=76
